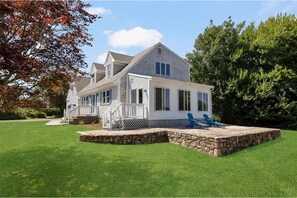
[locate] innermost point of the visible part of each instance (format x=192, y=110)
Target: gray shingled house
x=150, y=89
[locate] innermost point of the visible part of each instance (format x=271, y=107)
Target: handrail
x=123, y=111
x=83, y=111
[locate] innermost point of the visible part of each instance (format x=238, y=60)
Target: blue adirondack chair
x=194, y=123
x=210, y=122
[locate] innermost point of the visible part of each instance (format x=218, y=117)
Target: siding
x=114, y=102
x=180, y=70
x=117, y=68
x=135, y=82
x=174, y=112
x=72, y=97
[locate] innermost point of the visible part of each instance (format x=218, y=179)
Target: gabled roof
x=81, y=83
x=99, y=66
x=133, y=62
x=121, y=57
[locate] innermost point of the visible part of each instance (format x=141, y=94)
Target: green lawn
x=39, y=160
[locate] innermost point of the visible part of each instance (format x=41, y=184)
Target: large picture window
x=184, y=100
x=162, y=97
x=202, y=101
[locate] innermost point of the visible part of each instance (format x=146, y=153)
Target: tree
x=40, y=42
x=214, y=63
x=252, y=68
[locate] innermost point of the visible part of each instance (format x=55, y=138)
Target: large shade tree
x=40, y=46
x=253, y=69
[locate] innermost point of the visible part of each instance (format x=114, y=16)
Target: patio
x=212, y=141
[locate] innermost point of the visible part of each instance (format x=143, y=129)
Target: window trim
x=167, y=69
x=186, y=105
x=163, y=99
x=203, y=97
x=105, y=97
x=137, y=94
x=109, y=69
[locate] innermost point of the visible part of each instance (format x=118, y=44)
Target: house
x=150, y=89
x=72, y=99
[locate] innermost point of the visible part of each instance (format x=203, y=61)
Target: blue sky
x=131, y=26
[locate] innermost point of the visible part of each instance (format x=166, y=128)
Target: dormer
x=97, y=72
x=115, y=62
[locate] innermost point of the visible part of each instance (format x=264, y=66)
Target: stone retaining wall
x=222, y=146
x=216, y=146
x=147, y=138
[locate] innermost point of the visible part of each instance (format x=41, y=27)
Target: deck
x=212, y=141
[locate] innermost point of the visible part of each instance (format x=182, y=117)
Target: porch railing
x=83, y=111
x=123, y=111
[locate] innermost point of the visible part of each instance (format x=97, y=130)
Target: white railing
x=106, y=117
x=83, y=111
x=123, y=111
x=133, y=111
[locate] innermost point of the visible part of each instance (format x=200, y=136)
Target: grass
x=38, y=160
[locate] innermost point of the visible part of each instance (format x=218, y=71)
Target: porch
x=123, y=115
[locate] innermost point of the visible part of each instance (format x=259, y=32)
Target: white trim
x=177, y=82
x=138, y=75
x=98, y=89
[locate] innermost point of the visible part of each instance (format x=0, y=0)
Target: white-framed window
x=136, y=96
x=97, y=98
x=184, y=100
x=202, y=101
x=162, y=69
x=92, y=78
x=162, y=99
x=109, y=67
x=105, y=97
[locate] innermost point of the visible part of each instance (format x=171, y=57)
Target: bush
x=31, y=113
x=11, y=116
x=52, y=112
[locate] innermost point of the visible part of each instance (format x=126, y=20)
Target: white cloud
x=101, y=57
x=98, y=10
x=137, y=36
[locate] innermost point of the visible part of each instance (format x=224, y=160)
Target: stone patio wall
x=209, y=145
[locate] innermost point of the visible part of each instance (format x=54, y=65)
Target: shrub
x=52, y=112
x=31, y=113
x=11, y=116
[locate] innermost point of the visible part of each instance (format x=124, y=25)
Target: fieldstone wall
x=147, y=138
x=215, y=146
x=203, y=144
x=221, y=146
x=233, y=144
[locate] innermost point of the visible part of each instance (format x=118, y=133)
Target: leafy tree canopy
x=40, y=46
x=253, y=69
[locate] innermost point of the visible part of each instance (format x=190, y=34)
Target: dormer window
x=108, y=70
x=92, y=79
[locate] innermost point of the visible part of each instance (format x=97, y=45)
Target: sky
x=129, y=27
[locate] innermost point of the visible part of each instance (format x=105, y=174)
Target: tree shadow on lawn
x=45, y=171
